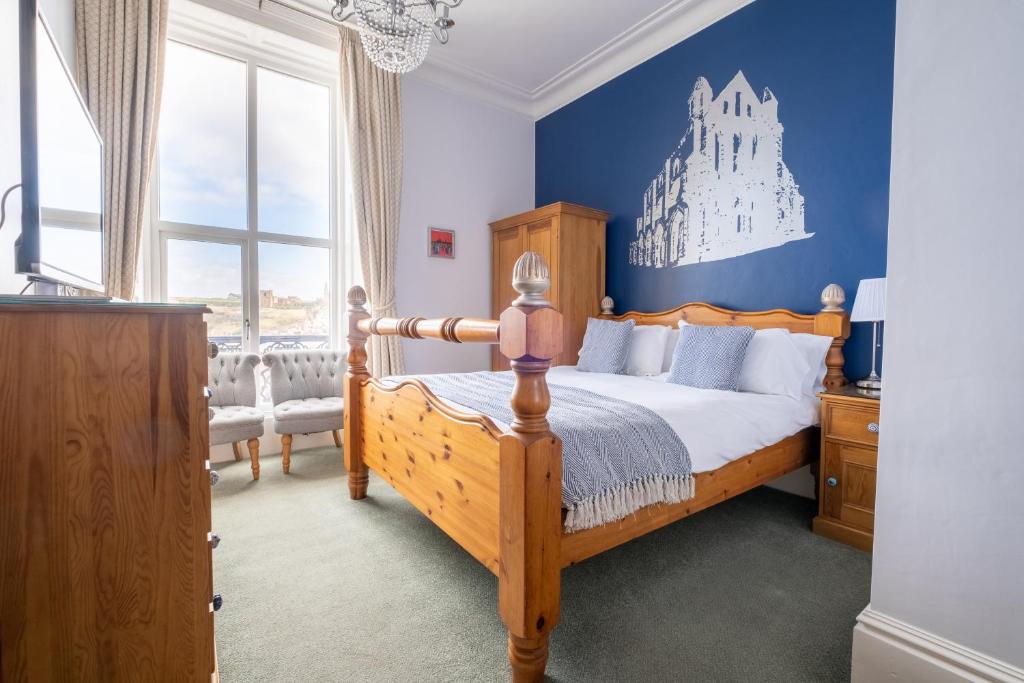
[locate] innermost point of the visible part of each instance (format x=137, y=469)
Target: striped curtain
x=372, y=107
x=120, y=50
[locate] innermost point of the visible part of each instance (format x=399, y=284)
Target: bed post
x=833, y=321
x=355, y=374
x=530, y=505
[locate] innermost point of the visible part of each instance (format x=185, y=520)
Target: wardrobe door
x=542, y=237
x=507, y=246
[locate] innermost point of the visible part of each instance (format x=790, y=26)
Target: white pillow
x=671, y=339
x=646, y=350
x=670, y=345
x=814, y=347
x=773, y=365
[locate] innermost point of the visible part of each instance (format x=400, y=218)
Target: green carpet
x=318, y=587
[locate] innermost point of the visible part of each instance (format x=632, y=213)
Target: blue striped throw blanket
x=617, y=456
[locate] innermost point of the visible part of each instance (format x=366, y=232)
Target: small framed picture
x=440, y=243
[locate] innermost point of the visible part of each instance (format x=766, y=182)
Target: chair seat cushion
x=308, y=415
x=235, y=423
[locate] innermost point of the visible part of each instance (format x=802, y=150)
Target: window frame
x=256, y=56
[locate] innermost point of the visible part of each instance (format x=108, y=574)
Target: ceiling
x=528, y=42
x=534, y=56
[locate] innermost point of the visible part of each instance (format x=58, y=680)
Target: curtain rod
x=300, y=10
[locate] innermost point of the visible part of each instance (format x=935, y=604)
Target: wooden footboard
x=443, y=462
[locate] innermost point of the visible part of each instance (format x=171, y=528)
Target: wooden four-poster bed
x=498, y=493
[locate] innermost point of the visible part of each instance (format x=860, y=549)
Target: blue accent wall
x=830, y=65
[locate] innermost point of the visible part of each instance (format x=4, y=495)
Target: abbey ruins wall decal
x=725, y=190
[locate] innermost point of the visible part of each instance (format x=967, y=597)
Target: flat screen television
x=62, y=226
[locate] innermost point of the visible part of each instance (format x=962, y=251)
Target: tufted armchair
x=234, y=416
x=307, y=392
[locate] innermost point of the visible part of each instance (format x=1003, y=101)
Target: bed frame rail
x=527, y=530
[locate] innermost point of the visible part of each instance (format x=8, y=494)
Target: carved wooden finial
x=357, y=297
x=607, y=306
x=531, y=278
x=833, y=297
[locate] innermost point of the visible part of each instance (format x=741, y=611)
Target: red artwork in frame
x=440, y=243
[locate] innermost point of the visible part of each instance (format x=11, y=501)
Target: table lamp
x=869, y=306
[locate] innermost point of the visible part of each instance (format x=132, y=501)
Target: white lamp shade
x=869, y=306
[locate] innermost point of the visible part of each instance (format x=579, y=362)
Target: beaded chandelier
x=396, y=33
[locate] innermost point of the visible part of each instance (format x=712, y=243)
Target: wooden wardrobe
x=571, y=238
x=105, y=542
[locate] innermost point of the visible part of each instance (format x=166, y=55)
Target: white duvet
x=716, y=426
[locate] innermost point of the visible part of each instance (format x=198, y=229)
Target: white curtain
x=120, y=50
x=372, y=106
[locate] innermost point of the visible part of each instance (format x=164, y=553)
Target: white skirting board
x=887, y=649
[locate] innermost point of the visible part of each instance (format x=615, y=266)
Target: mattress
x=716, y=426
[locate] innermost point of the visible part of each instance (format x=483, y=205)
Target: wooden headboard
x=831, y=321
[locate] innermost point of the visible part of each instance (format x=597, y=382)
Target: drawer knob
x=214, y=477
x=832, y=481
x=207, y=393
x=212, y=350
x=873, y=427
x=214, y=540
x=218, y=602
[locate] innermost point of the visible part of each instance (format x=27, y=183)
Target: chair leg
x=286, y=452
x=337, y=438
x=236, y=450
x=254, y=457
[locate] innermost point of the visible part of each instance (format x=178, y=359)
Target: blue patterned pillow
x=710, y=357
x=605, y=346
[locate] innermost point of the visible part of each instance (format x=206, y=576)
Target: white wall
x=466, y=163
x=949, y=525
x=61, y=16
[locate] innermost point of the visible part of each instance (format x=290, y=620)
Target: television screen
x=62, y=166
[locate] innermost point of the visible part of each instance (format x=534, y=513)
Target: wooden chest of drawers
x=849, y=457
x=105, y=551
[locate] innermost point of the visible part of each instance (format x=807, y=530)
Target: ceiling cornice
x=668, y=26
x=474, y=84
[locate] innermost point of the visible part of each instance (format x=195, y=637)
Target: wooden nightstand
x=849, y=456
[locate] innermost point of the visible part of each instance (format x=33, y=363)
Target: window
x=244, y=199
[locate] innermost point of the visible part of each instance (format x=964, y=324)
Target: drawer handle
x=217, y=603
x=873, y=427
x=212, y=350
x=207, y=393
x=214, y=477
x=832, y=481
x=214, y=540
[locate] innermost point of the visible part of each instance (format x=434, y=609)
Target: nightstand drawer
x=851, y=423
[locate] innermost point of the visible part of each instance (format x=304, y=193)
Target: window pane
x=294, y=296
x=294, y=153
x=209, y=273
x=202, y=139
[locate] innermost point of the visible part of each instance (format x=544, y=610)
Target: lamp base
x=873, y=382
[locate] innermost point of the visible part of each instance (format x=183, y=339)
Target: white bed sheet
x=716, y=426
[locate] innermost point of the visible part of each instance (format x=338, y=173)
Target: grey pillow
x=708, y=357
x=605, y=346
